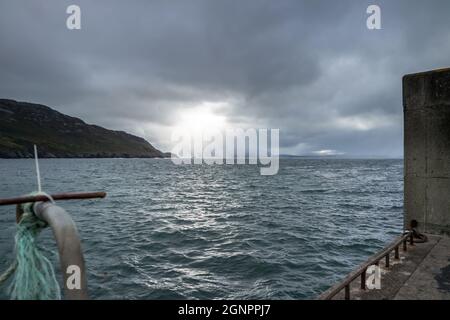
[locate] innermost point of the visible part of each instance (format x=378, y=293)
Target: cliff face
x=61, y=136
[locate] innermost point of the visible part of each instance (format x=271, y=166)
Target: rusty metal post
x=347, y=292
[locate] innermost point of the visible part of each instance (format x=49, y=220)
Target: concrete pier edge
x=423, y=272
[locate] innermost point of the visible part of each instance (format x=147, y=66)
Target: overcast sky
x=310, y=68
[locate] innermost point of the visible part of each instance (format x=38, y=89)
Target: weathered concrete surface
x=426, y=102
x=423, y=272
x=431, y=279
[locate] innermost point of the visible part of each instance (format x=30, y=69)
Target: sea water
x=215, y=232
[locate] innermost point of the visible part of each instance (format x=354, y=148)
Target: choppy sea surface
x=216, y=232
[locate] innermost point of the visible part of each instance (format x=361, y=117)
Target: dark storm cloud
x=310, y=68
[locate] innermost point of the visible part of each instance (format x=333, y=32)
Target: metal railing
x=362, y=270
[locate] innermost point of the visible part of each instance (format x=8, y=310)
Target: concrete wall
x=426, y=103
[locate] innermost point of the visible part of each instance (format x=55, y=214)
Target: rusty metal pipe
x=58, y=196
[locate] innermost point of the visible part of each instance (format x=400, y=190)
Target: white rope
x=49, y=197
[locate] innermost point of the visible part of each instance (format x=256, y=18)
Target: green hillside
x=61, y=136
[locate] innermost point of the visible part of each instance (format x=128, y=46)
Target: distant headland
x=24, y=124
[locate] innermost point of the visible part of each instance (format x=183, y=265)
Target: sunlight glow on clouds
x=364, y=123
x=201, y=118
x=328, y=153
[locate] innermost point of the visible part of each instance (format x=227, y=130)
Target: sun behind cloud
x=204, y=117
